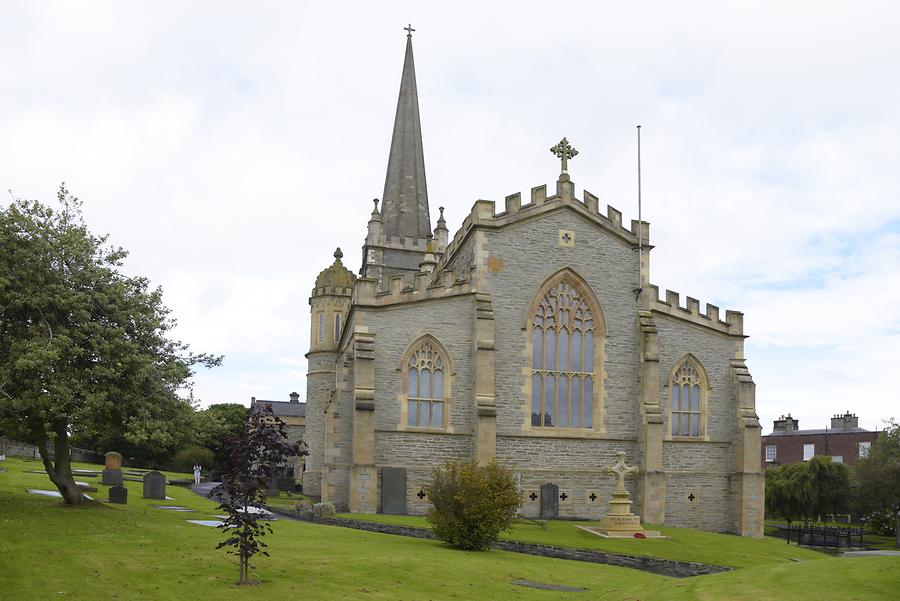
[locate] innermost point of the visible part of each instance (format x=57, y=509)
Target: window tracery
x=426, y=370
x=563, y=348
x=686, y=400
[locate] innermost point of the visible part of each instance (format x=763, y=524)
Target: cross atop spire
x=409, y=29
x=564, y=151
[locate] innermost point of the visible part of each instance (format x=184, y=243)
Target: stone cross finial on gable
x=409, y=29
x=620, y=470
x=564, y=151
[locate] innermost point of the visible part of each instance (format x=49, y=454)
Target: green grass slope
x=133, y=552
x=684, y=544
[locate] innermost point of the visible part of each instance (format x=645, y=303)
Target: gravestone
x=393, y=490
x=154, y=486
x=112, y=472
x=118, y=494
x=272, y=489
x=549, y=501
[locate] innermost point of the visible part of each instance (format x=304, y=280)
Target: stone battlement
x=427, y=286
x=484, y=214
x=690, y=311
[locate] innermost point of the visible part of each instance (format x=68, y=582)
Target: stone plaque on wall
x=393, y=490
x=549, y=501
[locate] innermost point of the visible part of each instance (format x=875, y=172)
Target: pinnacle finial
x=409, y=29
x=338, y=255
x=564, y=151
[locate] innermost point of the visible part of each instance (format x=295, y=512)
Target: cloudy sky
x=232, y=146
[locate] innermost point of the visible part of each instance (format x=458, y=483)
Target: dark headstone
x=118, y=494
x=154, y=486
x=111, y=478
x=549, y=501
x=393, y=490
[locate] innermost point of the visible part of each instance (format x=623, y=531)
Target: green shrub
x=186, y=459
x=471, y=504
x=882, y=522
x=323, y=510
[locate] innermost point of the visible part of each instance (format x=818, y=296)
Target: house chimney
x=295, y=398
x=788, y=424
x=846, y=422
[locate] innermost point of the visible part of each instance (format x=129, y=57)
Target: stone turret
x=329, y=305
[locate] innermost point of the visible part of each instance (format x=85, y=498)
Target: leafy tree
x=219, y=420
x=151, y=438
x=807, y=490
x=84, y=348
x=878, y=476
x=216, y=422
x=186, y=459
x=261, y=445
x=472, y=504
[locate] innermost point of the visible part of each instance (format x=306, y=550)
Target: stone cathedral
x=534, y=338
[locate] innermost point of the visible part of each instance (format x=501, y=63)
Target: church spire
x=405, y=199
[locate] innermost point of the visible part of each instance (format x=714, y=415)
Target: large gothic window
x=426, y=370
x=686, y=410
x=562, y=364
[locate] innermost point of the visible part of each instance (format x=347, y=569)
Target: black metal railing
x=823, y=536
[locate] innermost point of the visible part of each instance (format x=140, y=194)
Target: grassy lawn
x=288, y=500
x=100, y=551
x=685, y=544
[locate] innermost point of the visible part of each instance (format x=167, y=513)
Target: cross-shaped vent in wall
x=533, y=496
x=566, y=238
x=421, y=494
x=691, y=497
x=593, y=497
x=563, y=496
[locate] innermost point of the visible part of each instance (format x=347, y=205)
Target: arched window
x=425, y=379
x=687, y=390
x=564, y=343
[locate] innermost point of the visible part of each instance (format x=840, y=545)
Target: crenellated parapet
x=690, y=311
x=426, y=286
x=484, y=214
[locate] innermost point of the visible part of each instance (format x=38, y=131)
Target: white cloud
x=230, y=148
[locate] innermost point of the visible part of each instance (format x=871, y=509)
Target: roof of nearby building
x=285, y=408
x=820, y=431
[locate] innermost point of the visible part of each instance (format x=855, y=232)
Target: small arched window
x=564, y=343
x=687, y=399
x=425, y=379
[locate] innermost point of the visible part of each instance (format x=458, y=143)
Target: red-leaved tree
x=254, y=452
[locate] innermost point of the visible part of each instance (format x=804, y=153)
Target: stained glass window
x=685, y=414
x=562, y=361
x=425, y=387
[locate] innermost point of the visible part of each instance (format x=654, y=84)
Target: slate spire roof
x=405, y=199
